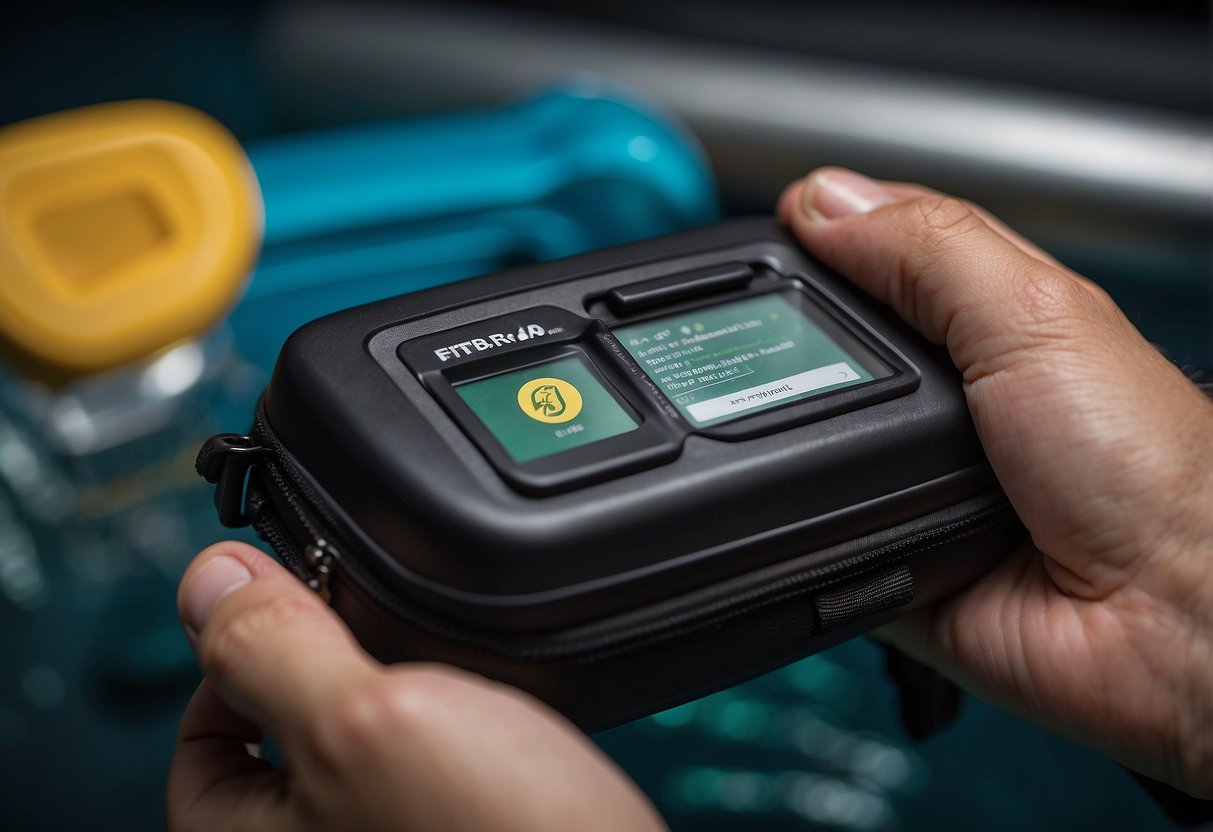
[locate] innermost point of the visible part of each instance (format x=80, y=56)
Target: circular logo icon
x=549, y=400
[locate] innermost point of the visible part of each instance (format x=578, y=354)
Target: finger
x=213, y=782
x=909, y=190
x=273, y=649
x=457, y=751
x=953, y=638
x=792, y=196
x=942, y=268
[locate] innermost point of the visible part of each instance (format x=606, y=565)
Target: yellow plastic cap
x=124, y=228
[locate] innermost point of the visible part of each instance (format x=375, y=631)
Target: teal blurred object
x=361, y=213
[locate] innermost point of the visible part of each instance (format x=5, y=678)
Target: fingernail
x=840, y=193
x=214, y=580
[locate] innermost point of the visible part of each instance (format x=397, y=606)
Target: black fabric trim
x=860, y=599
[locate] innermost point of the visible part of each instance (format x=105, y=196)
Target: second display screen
x=723, y=362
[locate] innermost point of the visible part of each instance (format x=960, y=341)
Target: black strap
x=1182, y=808
x=929, y=701
x=864, y=597
x=224, y=460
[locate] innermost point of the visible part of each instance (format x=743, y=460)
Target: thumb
x=275, y=657
x=944, y=268
x=270, y=647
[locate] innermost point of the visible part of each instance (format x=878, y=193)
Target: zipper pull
x=320, y=557
x=225, y=460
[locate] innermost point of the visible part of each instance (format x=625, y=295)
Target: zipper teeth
x=273, y=533
x=292, y=481
x=285, y=488
x=285, y=478
x=785, y=589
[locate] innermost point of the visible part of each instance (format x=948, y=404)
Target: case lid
x=124, y=228
x=391, y=458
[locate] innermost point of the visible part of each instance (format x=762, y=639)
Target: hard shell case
x=625, y=596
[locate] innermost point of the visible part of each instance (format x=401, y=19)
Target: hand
x=1101, y=628
x=366, y=747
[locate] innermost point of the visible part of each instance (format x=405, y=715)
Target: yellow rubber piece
x=124, y=228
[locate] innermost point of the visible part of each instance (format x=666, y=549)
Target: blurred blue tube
x=356, y=214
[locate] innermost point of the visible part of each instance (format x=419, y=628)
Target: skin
x=1100, y=628
x=366, y=746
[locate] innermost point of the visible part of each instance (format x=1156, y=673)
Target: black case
x=615, y=596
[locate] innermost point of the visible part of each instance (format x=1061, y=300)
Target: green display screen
x=546, y=409
x=724, y=362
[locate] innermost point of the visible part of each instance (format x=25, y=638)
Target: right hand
x=1100, y=628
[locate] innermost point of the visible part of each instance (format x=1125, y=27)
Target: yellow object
x=124, y=228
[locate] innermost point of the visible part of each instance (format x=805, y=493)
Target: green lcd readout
x=545, y=409
x=723, y=362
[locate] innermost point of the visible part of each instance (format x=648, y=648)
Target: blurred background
x=380, y=147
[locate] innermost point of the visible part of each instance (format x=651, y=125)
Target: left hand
x=407, y=747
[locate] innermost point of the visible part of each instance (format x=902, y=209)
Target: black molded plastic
x=625, y=586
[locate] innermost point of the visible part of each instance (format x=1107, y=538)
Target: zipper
x=291, y=517
x=320, y=557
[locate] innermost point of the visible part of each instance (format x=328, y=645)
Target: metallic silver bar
x=1097, y=169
